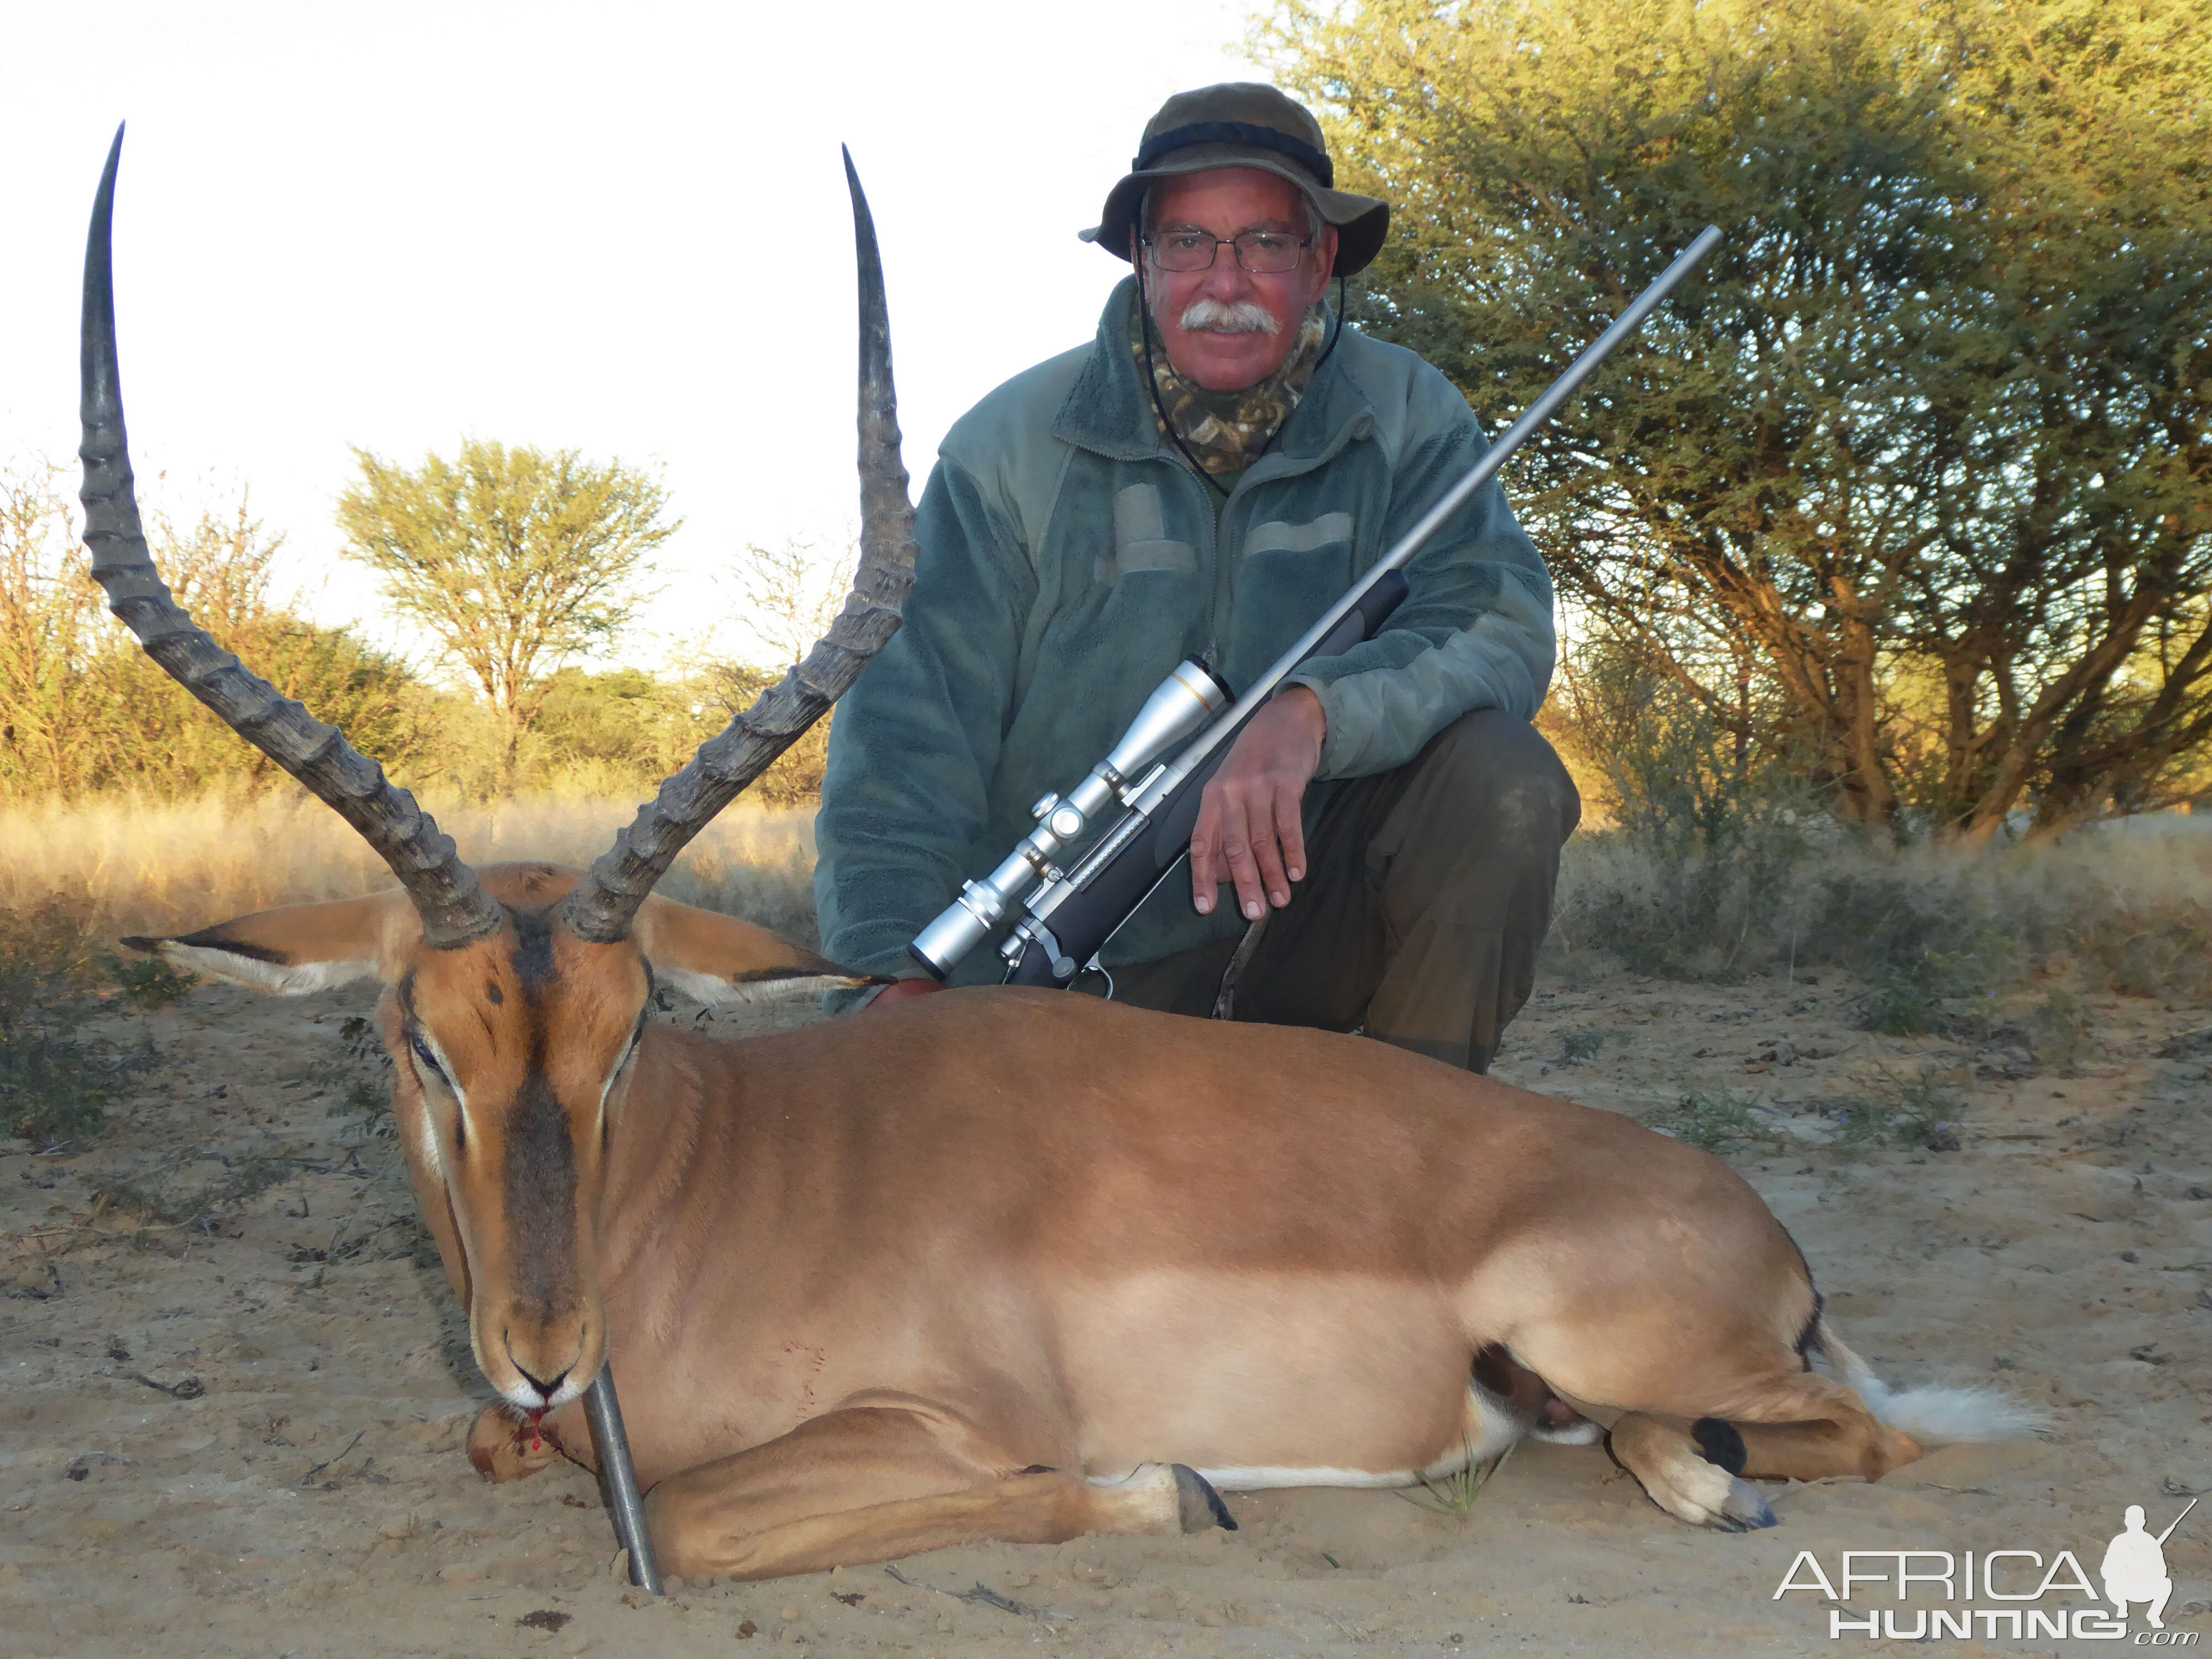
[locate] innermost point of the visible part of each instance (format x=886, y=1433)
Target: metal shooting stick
x=964, y=923
x=605, y=1413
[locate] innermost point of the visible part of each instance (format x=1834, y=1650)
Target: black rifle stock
x=1094, y=913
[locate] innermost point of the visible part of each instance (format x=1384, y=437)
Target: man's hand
x=1248, y=829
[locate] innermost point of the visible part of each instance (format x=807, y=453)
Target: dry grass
x=168, y=867
x=2126, y=907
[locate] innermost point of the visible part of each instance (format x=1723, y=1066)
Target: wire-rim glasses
x=1263, y=253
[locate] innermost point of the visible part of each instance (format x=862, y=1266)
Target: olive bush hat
x=1242, y=123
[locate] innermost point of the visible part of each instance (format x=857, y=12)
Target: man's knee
x=1494, y=770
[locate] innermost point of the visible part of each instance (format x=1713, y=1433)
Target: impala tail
x=1935, y=1414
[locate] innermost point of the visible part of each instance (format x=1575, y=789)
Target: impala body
x=996, y=1264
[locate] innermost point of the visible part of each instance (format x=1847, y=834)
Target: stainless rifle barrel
x=1452, y=500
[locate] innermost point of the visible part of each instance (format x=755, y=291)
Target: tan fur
x=867, y=1278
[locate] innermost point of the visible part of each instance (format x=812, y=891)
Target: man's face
x=1232, y=346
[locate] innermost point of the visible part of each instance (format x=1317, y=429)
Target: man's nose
x=1226, y=279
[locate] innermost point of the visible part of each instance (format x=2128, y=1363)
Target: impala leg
x=1798, y=1426
x=872, y=1484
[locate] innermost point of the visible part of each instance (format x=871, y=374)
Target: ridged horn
x=454, y=906
x=601, y=908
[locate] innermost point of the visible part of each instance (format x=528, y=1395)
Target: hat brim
x=1361, y=222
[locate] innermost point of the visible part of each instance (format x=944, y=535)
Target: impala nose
x=545, y=1389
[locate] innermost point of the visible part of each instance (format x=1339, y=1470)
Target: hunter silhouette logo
x=2010, y=1584
x=2134, y=1568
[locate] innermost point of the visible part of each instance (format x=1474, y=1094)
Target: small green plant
x=1456, y=1494
x=147, y=982
x=371, y=1109
x=1904, y=1009
x=1916, y=1110
x=1712, y=1121
x=1579, y=1047
x=2060, y=1034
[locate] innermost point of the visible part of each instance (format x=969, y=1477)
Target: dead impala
x=1001, y=1264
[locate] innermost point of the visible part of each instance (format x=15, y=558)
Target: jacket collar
x=1107, y=411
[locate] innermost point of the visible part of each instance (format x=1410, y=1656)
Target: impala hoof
x=1745, y=1510
x=1201, y=1506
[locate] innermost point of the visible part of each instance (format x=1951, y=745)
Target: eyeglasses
x=1263, y=253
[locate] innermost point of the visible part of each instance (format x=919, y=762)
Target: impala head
x=512, y=1058
x=514, y=997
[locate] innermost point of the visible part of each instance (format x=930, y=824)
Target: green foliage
x=55, y=1078
x=1918, y=1109
x=1713, y=1121
x=2157, y=947
x=1579, y=1047
x=1912, y=986
x=1907, y=489
x=514, y=560
x=147, y=982
x=1719, y=831
x=2061, y=1032
x=84, y=709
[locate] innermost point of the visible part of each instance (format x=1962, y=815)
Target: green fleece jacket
x=1071, y=557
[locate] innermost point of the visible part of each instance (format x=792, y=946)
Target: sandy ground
x=239, y=1432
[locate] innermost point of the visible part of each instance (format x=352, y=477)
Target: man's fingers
x=1290, y=826
x=1266, y=850
x=1205, y=836
x=1236, y=852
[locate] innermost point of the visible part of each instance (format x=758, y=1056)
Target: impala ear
x=719, y=960
x=291, y=951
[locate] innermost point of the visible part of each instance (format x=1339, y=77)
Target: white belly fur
x=1262, y=1380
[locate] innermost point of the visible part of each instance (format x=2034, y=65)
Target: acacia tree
x=1923, y=458
x=516, y=561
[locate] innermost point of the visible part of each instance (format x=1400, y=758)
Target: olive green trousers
x=1427, y=894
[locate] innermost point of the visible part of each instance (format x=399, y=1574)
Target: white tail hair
x=1935, y=1416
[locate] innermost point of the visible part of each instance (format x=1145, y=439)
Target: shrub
x=55, y=1080
x=1712, y=1121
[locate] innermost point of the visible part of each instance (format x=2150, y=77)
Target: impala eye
x=429, y=1061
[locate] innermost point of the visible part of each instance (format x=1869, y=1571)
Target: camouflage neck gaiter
x=1227, y=431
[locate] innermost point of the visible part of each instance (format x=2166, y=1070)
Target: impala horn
x=601, y=908
x=454, y=906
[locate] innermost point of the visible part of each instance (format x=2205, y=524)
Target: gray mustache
x=1214, y=317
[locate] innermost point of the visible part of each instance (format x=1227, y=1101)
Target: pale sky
x=616, y=228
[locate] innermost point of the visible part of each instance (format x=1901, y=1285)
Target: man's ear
x=293, y=950
x=719, y=961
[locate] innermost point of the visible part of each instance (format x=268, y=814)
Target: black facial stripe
x=540, y=1189
x=533, y=949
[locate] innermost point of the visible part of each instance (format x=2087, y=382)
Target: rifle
x=1074, y=911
